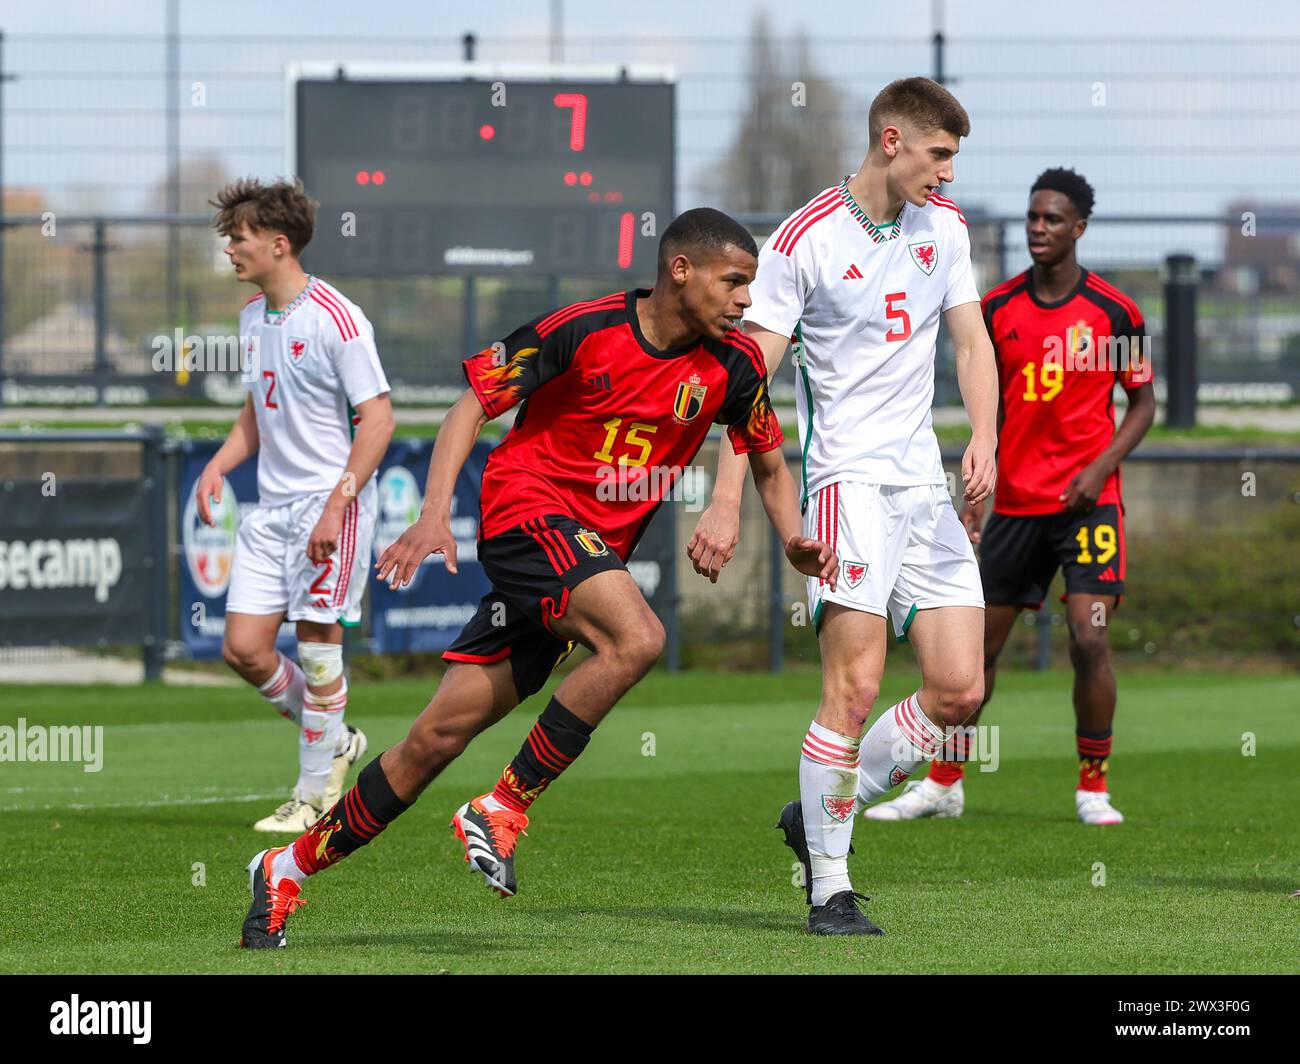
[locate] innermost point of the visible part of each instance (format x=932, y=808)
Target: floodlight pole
x=3, y=230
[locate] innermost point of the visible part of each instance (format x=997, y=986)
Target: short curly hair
x=1072, y=186
x=283, y=207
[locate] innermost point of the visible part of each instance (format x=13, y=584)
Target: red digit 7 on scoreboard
x=898, y=314
x=578, y=123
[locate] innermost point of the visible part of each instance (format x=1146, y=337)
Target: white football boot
x=354, y=746
x=297, y=814
x=1094, y=808
x=921, y=798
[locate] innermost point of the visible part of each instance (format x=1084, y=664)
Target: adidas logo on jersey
x=1108, y=574
x=852, y=273
x=601, y=382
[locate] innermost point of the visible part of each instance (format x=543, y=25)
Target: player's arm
x=780, y=497
x=374, y=430
x=240, y=444
x=1086, y=487
x=977, y=377
x=431, y=534
x=499, y=377
x=713, y=543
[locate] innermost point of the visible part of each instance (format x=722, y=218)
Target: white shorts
x=272, y=573
x=901, y=549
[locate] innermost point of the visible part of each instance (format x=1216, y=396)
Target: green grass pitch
x=667, y=863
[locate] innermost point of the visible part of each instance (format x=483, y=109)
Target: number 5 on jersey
x=895, y=313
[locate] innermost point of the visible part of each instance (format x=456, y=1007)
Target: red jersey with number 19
x=1058, y=364
x=608, y=421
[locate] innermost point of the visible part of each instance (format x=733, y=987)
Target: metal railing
x=89, y=302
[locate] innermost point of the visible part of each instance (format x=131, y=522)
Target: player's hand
x=210, y=485
x=972, y=519
x=812, y=557
x=714, y=542
x=1085, y=488
x=979, y=470
x=429, y=535
x=324, y=538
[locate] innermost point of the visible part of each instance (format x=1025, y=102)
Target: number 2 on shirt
x=270, y=403
x=893, y=313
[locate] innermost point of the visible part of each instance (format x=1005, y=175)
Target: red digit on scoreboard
x=578, y=122
x=626, y=227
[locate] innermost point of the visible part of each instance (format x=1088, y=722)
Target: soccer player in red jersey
x=614, y=390
x=1064, y=339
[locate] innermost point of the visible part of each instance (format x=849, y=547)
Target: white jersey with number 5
x=863, y=303
x=303, y=367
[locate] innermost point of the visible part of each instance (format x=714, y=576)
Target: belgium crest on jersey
x=591, y=542
x=690, y=399
x=1078, y=338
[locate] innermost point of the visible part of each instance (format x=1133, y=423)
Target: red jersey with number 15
x=608, y=421
x=1058, y=364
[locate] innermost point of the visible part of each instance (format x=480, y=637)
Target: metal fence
x=97, y=121
x=87, y=309
x=102, y=132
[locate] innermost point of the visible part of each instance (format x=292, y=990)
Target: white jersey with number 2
x=303, y=367
x=863, y=303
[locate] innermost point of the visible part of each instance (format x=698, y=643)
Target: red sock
x=1094, y=759
x=946, y=773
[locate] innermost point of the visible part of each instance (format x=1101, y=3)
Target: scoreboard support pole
x=470, y=338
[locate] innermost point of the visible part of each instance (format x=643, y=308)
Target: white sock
x=285, y=689
x=322, y=729
x=828, y=780
x=283, y=866
x=894, y=747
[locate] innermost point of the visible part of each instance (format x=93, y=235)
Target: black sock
x=553, y=745
x=356, y=818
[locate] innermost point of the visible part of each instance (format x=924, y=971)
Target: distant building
x=1268, y=261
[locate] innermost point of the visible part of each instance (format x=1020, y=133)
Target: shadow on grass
x=456, y=943
x=728, y=919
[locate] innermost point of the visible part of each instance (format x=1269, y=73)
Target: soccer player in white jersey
x=858, y=278
x=318, y=416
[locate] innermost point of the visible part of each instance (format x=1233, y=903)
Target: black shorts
x=1019, y=555
x=533, y=568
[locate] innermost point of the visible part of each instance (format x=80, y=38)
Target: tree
x=790, y=143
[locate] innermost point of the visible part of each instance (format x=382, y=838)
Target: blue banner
x=206, y=553
x=428, y=613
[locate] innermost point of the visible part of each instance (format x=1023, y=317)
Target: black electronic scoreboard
x=483, y=174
